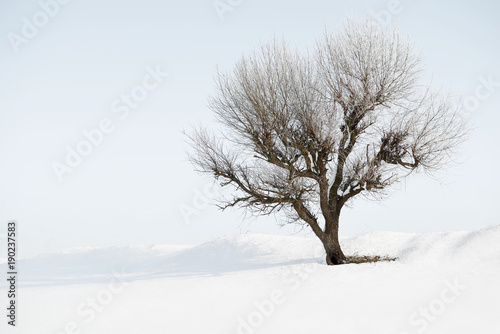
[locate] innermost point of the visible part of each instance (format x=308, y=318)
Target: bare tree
x=306, y=133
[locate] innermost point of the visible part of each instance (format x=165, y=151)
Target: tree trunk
x=334, y=254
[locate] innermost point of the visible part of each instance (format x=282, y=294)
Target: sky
x=120, y=81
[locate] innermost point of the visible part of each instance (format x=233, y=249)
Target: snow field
x=440, y=283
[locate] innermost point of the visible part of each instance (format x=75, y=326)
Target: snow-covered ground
x=440, y=283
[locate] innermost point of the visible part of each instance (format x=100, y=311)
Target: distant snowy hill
x=440, y=283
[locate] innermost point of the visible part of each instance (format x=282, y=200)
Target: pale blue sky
x=132, y=188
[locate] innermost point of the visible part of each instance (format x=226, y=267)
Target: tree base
x=335, y=258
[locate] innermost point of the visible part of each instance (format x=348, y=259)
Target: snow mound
x=440, y=283
x=435, y=247
x=252, y=252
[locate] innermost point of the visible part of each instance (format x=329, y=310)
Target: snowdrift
x=254, y=251
x=440, y=283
